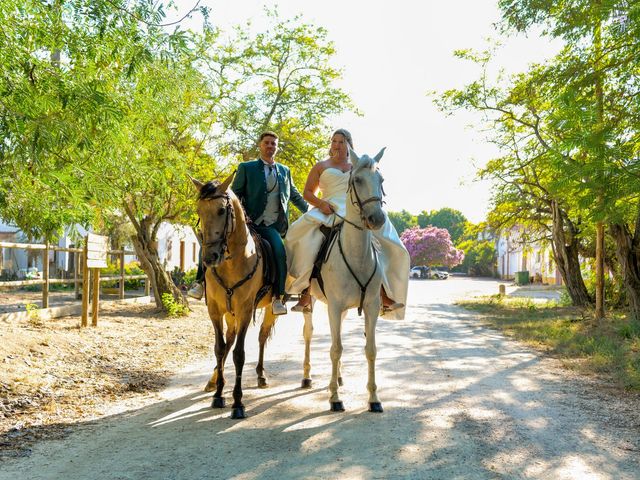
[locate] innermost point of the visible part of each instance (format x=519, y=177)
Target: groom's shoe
x=196, y=291
x=277, y=307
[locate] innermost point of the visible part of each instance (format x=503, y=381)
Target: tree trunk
x=565, y=251
x=145, y=244
x=628, y=253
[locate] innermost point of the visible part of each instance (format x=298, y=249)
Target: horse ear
x=379, y=155
x=225, y=185
x=196, y=183
x=353, y=156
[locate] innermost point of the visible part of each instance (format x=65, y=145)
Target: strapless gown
x=304, y=238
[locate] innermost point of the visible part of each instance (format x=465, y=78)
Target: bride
x=304, y=238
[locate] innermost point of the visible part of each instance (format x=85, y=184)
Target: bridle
x=352, y=190
x=228, y=229
x=229, y=220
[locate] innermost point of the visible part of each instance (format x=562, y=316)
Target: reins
x=360, y=205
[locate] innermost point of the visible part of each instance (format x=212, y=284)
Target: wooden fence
x=81, y=275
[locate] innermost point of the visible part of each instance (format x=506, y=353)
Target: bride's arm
x=311, y=188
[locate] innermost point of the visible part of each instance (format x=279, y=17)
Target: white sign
x=97, y=246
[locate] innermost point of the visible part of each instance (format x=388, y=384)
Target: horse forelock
x=208, y=190
x=366, y=162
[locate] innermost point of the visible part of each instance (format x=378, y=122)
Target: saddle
x=330, y=235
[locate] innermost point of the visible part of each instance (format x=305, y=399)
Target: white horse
x=352, y=276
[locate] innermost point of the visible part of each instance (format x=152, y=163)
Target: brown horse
x=234, y=280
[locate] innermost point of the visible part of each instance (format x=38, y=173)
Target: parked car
x=439, y=274
x=419, y=272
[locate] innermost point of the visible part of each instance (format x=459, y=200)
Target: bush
x=183, y=279
x=614, y=292
x=173, y=308
x=131, y=268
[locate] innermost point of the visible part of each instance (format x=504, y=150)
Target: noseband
x=351, y=189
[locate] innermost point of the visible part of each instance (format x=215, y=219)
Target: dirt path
x=460, y=401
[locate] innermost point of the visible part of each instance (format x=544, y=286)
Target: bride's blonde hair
x=345, y=134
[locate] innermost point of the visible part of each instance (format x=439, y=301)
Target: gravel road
x=461, y=401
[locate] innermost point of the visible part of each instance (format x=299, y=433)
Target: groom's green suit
x=250, y=186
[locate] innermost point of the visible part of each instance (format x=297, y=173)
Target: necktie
x=271, y=179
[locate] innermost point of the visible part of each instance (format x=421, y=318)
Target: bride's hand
x=325, y=207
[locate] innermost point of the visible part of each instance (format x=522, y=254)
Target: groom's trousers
x=271, y=235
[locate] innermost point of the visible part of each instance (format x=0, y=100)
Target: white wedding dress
x=304, y=238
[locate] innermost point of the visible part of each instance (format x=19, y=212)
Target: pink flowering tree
x=431, y=246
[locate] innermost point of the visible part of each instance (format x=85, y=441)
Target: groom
x=265, y=188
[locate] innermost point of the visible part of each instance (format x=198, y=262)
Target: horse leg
x=237, y=409
x=265, y=332
x=218, y=399
x=213, y=381
x=340, y=382
x=307, y=332
x=335, y=322
x=370, y=320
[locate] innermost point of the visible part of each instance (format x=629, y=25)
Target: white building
x=516, y=255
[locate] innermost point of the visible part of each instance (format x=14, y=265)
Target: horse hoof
x=306, y=383
x=337, y=407
x=340, y=382
x=210, y=387
x=218, y=402
x=237, y=413
x=375, y=407
x=262, y=382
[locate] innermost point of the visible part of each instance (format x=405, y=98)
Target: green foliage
x=33, y=315
x=453, y=220
x=190, y=276
x=402, y=220
x=173, y=308
x=479, y=257
x=567, y=129
x=131, y=268
x=104, y=113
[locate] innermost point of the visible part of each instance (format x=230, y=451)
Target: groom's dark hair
x=268, y=134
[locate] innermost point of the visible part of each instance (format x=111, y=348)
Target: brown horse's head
x=217, y=218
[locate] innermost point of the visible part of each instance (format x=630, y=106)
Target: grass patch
x=611, y=348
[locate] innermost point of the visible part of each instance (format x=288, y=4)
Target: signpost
x=95, y=259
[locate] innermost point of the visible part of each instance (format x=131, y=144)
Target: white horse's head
x=365, y=189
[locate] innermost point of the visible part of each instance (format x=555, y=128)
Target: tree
x=103, y=113
x=431, y=246
x=479, y=257
x=453, y=220
x=594, y=94
x=402, y=220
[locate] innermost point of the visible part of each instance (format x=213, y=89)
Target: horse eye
x=357, y=180
x=222, y=211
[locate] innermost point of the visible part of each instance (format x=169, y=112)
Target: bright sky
x=393, y=53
